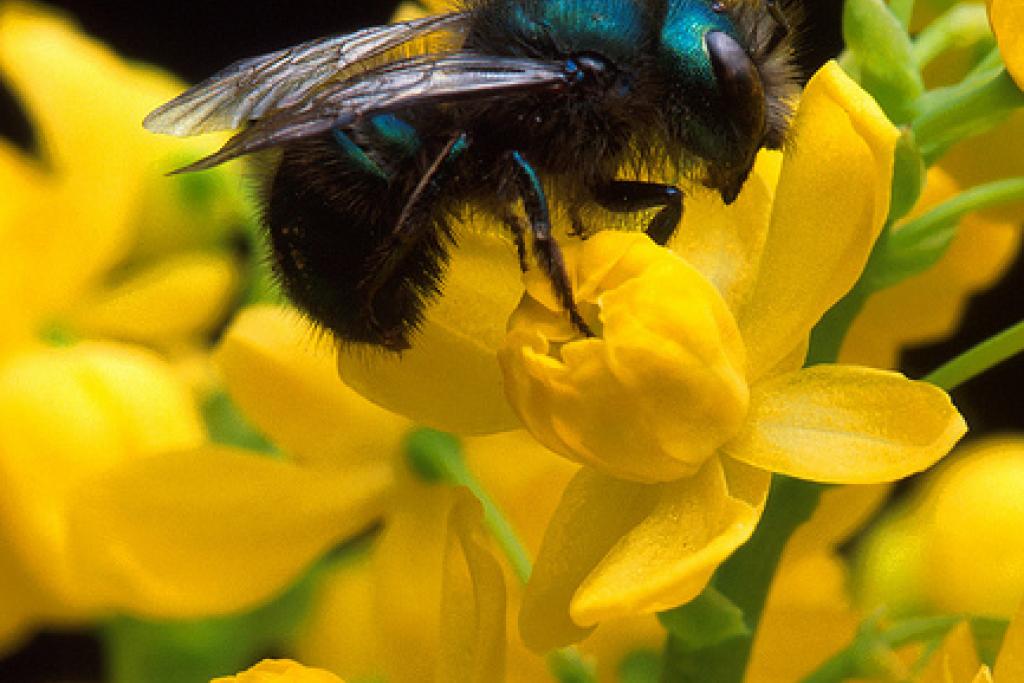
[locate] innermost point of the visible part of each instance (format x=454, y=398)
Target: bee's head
x=730, y=83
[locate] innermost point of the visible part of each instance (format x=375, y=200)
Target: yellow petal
x=1007, y=19
x=284, y=379
x=830, y=205
x=450, y=378
x=956, y=660
x=725, y=243
x=473, y=637
x=616, y=548
x=340, y=633
x=807, y=618
x=212, y=530
x=847, y=425
x=178, y=299
x=65, y=415
x=841, y=511
x=523, y=477
x=657, y=391
x=280, y=671
x=1010, y=662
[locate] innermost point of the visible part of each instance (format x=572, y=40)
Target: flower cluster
x=203, y=473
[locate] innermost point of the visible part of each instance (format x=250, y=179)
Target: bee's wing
x=253, y=88
x=417, y=81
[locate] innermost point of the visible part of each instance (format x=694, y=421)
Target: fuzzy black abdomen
x=330, y=219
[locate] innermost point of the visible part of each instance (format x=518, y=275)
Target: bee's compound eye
x=590, y=69
x=739, y=83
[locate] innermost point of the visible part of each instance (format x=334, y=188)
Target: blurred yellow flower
x=810, y=614
x=957, y=661
x=97, y=199
x=1007, y=18
x=280, y=671
x=113, y=500
x=614, y=545
x=929, y=306
x=958, y=542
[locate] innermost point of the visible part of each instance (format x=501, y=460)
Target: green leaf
x=918, y=244
x=640, y=666
x=988, y=637
x=908, y=176
x=707, y=621
x=884, y=53
x=949, y=115
x=198, y=650
x=226, y=425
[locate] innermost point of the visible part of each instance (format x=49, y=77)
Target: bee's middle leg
x=627, y=196
x=545, y=248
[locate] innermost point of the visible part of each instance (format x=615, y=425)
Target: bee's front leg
x=627, y=196
x=545, y=248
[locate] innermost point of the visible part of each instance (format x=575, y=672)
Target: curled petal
x=472, y=600
x=616, y=548
x=830, y=205
x=449, y=379
x=286, y=383
x=657, y=391
x=212, y=530
x=846, y=425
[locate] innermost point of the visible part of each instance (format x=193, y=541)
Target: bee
x=383, y=135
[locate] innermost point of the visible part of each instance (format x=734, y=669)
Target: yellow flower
x=113, y=500
x=960, y=538
x=288, y=387
x=280, y=671
x=957, y=661
x=810, y=614
x=98, y=199
x=649, y=488
x=929, y=306
x=380, y=614
x=1007, y=19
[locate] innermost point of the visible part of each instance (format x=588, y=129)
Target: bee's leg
x=545, y=248
x=515, y=226
x=413, y=225
x=622, y=196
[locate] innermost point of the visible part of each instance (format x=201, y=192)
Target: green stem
x=977, y=360
x=871, y=652
x=948, y=115
x=973, y=199
x=961, y=26
x=903, y=10
x=744, y=579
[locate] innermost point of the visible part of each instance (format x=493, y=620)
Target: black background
x=193, y=39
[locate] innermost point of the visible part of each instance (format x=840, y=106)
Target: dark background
x=194, y=39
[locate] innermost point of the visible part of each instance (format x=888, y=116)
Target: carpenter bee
x=383, y=135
